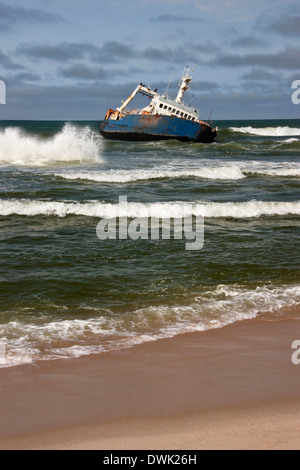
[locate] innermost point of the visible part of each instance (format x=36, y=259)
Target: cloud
x=233, y=11
x=188, y=53
x=110, y=52
x=258, y=75
x=90, y=101
x=248, y=41
x=175, y=18
x=83, y=72
x=58, y=53
x=12, y=16
x=9, y=64
x=287, y=26
x=205, y=86
x=155, y=54
x=65, y=102
x=27, y=77
x=172, y=56
x=13, y=81
x=214, y=5
x=287, y=59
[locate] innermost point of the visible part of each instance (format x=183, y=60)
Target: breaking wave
x=267, y=131
x=128, y=176
x=287, y=172
x=211, y=309
x=236, y=210
x=72, y=144
x=225, y=173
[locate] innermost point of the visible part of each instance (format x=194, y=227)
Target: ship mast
x=184, y=84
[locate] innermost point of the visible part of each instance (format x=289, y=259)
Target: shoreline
x=234, y=387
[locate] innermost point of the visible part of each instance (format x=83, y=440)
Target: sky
x=74, y=59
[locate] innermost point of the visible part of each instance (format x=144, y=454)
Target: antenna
x=172, y=75
x=209, y=119
x=184, y=83
x=186, y=71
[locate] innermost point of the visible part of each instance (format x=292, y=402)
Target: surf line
x=188, y=223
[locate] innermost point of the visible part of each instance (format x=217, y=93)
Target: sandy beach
x=230, y=388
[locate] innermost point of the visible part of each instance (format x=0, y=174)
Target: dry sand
x=231, y=388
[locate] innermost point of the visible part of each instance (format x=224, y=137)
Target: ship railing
x=132, y=111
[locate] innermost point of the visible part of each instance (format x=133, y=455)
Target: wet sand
x=230, y=388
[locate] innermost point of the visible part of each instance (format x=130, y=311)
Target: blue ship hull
x=143, y=127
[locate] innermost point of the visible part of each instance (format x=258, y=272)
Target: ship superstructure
x=164, y=118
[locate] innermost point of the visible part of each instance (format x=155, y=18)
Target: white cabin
x=161, y=104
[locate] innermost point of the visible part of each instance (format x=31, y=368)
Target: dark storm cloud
x=153, y=53
x=258, y=75
x=248, y=41
x=114, y=50
x=186, y=54
x=287, y=26
x=203, y=86
x=58, y=53
x=8, y=63
x=83, y=72
x=65, y=102
x=91, y=101
x=111, y=51
x=14, y=15
x=27, y=77
x=175, y=18
x=288, y=59
x=13, y=81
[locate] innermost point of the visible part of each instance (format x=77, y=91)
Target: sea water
x=65, y=293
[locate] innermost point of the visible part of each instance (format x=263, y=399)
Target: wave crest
x=72, y=144
x=128, y=176
x=210, y=309
x=267, y=131
x=235, y=210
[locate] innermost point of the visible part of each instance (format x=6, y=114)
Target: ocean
x=65, y=293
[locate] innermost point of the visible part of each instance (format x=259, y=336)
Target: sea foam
x=268, y=131
x=235, y=210
x=210, y=309
x=71, y=144
x=284, y=172
x=128, y=176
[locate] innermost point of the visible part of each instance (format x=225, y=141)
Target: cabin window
x=177, y=112
x=161, y=105
x=165, y=107
x=174, y=110
x=185, y=116
x=169, y=109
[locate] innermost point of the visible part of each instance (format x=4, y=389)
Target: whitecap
x=72, y=144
